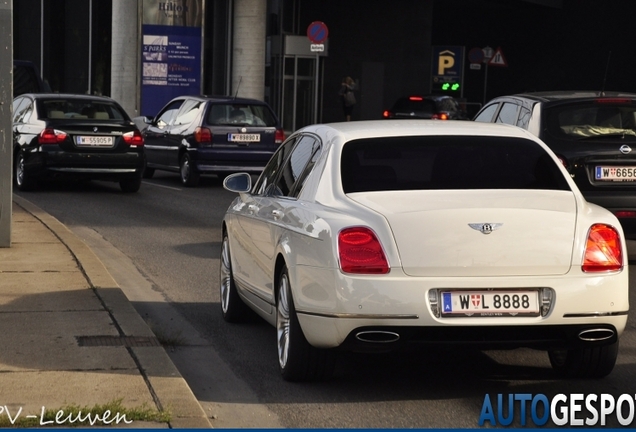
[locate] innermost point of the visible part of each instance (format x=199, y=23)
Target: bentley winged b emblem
x=485, y=228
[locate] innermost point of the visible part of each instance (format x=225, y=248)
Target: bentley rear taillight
x=603, y=251
x=51, y=136
x=360, y=252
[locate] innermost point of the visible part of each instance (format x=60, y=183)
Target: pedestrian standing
x=347, y=96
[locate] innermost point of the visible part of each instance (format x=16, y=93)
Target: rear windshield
x=82, y=109
x=241, y=114
x=442, y=162
x=592, y=119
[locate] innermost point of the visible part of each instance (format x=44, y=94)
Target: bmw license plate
x=491, y=303
x=94, y=141
x=615, y=173
x=244, y=138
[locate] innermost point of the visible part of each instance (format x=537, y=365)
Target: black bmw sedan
x=75, y=136
x=195, y=135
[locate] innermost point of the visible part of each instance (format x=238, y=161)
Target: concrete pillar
x=6, y=130
x=248, y=49
x=125, y=61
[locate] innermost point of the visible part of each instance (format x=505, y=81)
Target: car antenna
x=238, y=86
x=609, y=55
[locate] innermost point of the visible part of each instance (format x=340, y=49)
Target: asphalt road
x=162, y=246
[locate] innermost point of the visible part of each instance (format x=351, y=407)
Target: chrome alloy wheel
x=225, y=275
x=19, y=171
x=185, y=169
x=283, y=320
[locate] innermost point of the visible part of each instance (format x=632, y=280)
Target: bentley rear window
x=445, y=162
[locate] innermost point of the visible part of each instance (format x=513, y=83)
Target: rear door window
x=443, y=162
x=508, y=113
x=486, y=115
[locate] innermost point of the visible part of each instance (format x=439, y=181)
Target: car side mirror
x=238, y=183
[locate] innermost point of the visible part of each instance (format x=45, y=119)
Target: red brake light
x=202, y=135
x=51, y=136
x=614, y=101
x=133, y=138
x=563, y=160
x=360, y=252
x=279, y=137
x=386, y=114
x=603, y=251
x=625, y=214
x=416, y=98
x=440, y=116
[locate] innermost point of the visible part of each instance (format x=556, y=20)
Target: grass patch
x=110, y=414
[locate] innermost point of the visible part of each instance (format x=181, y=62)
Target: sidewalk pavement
x=70, y=337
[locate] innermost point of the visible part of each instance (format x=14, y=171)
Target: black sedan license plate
x=490, y=303
x=615, y=173
x=244, y=138
x=94, y=141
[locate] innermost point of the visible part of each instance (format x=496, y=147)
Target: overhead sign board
x=448, y=68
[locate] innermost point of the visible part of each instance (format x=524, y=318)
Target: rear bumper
x=118, y=166
x=383, y=339
x=215, y=160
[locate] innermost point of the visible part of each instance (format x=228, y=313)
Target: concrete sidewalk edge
x=166, y=385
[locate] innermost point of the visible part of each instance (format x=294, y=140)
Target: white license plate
x=244, y=137
x=491, y=303
x=95, y=141
x=615, y=173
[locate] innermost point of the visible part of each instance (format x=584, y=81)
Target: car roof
x=67, y=96
x=222, y=99
x=553, y=96
x=381, y=128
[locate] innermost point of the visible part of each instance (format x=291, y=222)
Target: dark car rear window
x=592, y=119
x=81, y=109
x=443, y=162
x=241, y=114
x=408, y=105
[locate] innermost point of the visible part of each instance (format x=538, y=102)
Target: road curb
x=168, y=388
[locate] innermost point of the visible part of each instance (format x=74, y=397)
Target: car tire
x=297, y=359
x=189, y=175
x=130, y=185
x=232, y=306
x=595, y=362
x=22, y=180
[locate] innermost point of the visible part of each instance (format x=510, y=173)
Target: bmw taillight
x=202, y=135
x=360, y=252
x=279, y=136
x=603, y=251
x=133, y=138
x=51, y=136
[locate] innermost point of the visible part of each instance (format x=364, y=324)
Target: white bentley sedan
x=376, y=236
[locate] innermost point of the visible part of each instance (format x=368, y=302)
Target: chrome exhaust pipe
x=595, y=335
x=375, y=336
